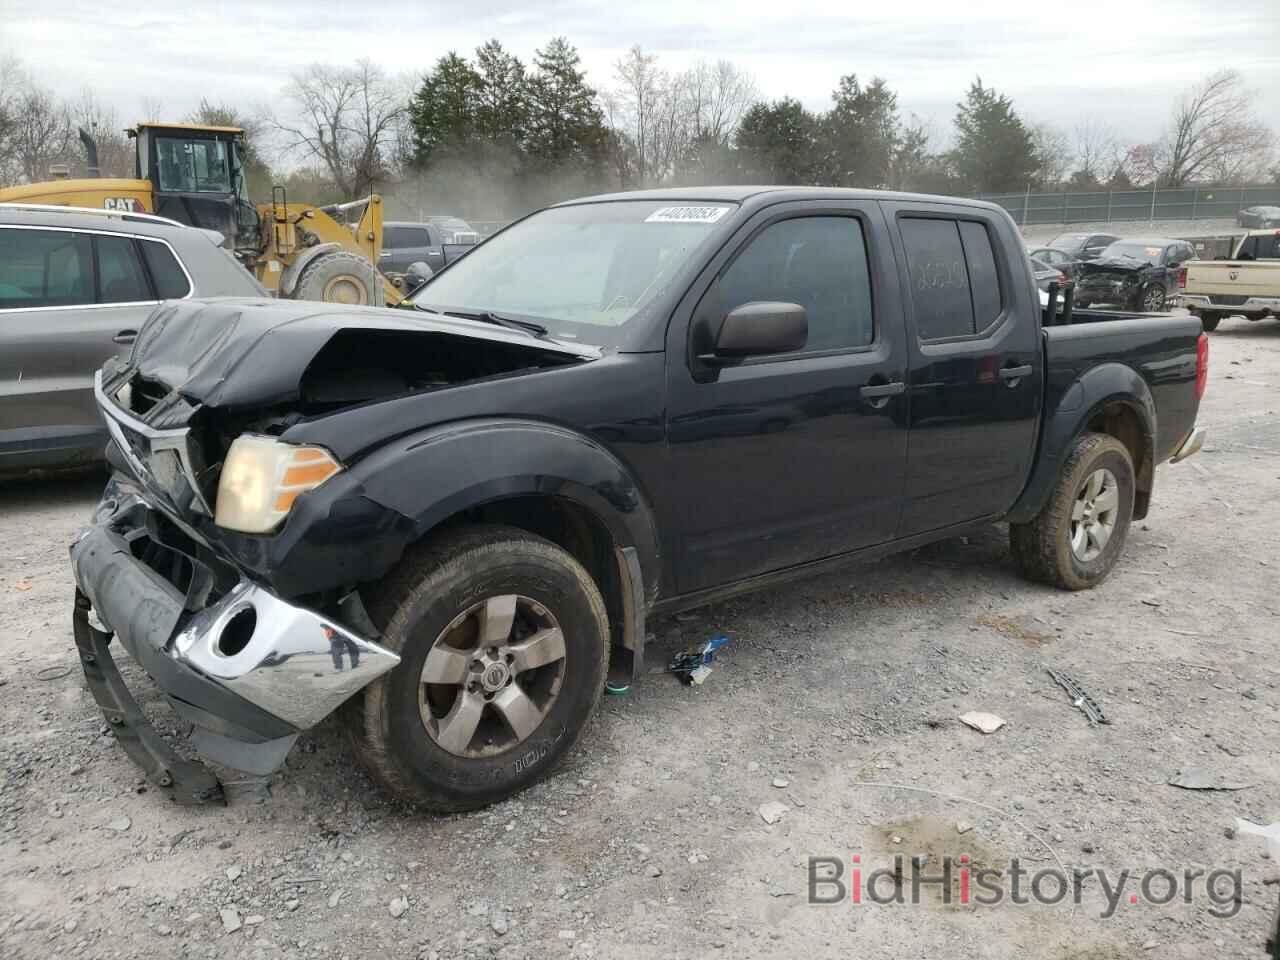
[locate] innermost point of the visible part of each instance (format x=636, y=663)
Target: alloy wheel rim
x=1093, y=514
x=1154, y=299
x=492, y=676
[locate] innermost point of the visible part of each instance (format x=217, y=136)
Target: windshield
x=193, y=166
x=1133, y=251
x=582, y=271
x=1070, y=242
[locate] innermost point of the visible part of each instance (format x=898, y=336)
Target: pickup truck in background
x=436, y=243
x=1248, y=284
x=449, y=522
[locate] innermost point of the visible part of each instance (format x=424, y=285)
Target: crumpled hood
x=1114, y=265
x=240, y=353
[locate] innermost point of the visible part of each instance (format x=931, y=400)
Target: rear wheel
x=1080, y=532
x=504, y=646
x=1210, y=321
x=340, y=277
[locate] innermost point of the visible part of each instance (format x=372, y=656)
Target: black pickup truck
x=449, y=522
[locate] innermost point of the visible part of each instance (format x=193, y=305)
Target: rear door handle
x=1016, y=373
x=873, y=391
x=126, y=336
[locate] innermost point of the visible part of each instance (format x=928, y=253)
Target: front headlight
x=261, y=478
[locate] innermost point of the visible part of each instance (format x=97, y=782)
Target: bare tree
x=719, y=95
x=115, y=151
x=41, y=133
x=640, y=84
x=1096, y=153
x=152, y=108
x=348, y=119
x=664, y=120
x=1214, y=133
x=1053, y=154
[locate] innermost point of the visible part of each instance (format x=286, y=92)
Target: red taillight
x=1182, y=279
x=1202, y=364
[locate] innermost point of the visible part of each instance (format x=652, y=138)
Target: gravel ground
x=837, y=697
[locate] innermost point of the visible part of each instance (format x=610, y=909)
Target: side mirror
x=760, y=328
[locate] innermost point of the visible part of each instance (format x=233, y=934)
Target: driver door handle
x=874, y=391
x=125, y=336
x=1011, y=374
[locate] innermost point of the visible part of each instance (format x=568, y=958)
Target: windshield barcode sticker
x=686, y=215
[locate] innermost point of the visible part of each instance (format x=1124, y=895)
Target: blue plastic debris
x=692, y=666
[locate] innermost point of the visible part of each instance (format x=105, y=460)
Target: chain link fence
x=1105, y=206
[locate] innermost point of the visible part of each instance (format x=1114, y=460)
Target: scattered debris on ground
x=1079, y=698
x=983, y=722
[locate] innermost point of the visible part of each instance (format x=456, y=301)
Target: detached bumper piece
x=188, y=782
x=246, y=668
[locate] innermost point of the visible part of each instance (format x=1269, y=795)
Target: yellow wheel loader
x=193, y=174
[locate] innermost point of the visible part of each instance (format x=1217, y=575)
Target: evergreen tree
x=566, y=128
x=860, y=134
x=445, y=110
x=502, y=99
x=777, y=142
x=994, y=150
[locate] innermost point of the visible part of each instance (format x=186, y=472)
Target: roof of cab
x=775, y=194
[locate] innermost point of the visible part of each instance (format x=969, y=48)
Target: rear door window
x=121, y=278
x=166, y=273
x=955, y=284
x=44, y=268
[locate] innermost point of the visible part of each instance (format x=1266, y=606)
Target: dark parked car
x=75, y=288
x=1045, y=274
x=1082, y=246
x=626, y=405
x=435, y=244
x=1259, y=218
x=1136, y=274
x=1057, y=259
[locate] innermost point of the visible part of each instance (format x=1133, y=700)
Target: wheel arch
x=540, y=477
x=1113, y=399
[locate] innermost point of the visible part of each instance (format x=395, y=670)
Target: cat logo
x=123, y=205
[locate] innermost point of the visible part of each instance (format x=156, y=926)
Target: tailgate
x=1234, y=278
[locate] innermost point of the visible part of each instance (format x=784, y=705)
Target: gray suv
x=75, y=288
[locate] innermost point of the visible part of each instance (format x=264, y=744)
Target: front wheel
x=1153, y=299
x=1079, y=534
x=504, y=646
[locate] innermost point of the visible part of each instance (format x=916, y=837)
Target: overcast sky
x=1122, y=61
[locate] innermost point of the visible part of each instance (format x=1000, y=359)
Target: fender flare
x=430, y=476
x=289, y=279
x=1103, y=385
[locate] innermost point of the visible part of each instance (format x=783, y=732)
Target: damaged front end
x=246, y=668
x=253, y=628
x=1115, y=280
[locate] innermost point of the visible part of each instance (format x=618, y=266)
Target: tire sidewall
x=317, y=274
x=414, y=628
x=1079, y=573
x=1153, y=289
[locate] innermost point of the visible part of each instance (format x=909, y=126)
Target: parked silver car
x=75, y=288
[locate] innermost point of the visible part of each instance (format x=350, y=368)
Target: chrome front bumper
x=248, y=669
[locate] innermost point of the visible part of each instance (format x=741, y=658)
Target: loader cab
x=197, y=178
